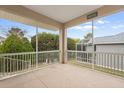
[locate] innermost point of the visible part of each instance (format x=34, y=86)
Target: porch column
x=63, y=45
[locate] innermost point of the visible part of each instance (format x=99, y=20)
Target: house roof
x=118, y=38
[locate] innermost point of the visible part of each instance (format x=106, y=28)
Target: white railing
x=16, y=63
x=108, y=62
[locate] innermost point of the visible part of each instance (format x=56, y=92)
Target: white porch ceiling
x=62, y=13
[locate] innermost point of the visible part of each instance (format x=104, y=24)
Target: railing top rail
x=49, y=51
x=79, y=51
x=96, y=52
x=15, y=59
x=109, y=53
x=29, y=53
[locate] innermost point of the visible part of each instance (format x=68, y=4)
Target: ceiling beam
x=40, y=19
x=102, y=11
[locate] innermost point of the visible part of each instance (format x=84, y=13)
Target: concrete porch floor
x=63, y=76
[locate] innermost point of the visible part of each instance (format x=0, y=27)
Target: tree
x=77, y=40
x=16, y=31
x=48, y=41
x=87, y=38
x=71, y=43
x=14, y=44
x=11, y=45
x=27, y=45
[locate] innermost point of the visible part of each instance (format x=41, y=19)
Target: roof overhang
x=63, y=13
x=102, y=11
x=47, y=18
x=24, y=15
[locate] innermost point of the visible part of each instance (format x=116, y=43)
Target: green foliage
x=71, y=44
x=27, y=45
x=77, y=40
x=14, y=44
x=47, y=41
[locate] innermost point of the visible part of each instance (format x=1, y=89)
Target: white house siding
x=110, y=48
x=89, y=48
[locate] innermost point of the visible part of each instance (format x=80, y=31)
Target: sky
x=6, y=25
x=106, y=26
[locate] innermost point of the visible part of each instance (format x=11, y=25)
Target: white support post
x=93, y=59
x=63, y=45
x=87, y=53
x=36, y=46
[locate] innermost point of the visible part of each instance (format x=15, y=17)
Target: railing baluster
x=14, y=65
x=118, y=62
x=114, y=63
x=109, y=61
x=105, y=60
x=22, y=61
x=4, y=67
x=102, y=60
x=33, y=60
x=122, y=65
x=29, y=63
x=0, y=67
x=7, y=71
x=17, y=63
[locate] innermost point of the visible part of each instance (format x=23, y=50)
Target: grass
x=99, y=68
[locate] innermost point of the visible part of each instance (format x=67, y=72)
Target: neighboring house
x=1, y=40
x=111, y=44
x=108, y=44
